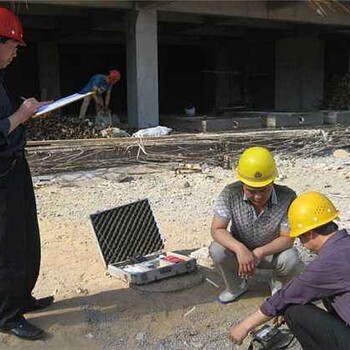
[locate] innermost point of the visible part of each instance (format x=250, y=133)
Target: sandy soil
x=93, y=310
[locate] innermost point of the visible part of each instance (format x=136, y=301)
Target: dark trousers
x=317, y=329
x=19, y=239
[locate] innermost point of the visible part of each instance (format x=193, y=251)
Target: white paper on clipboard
x=60, y=103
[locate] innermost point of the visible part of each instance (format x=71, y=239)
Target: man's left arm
x=94, y=96
x=240, y=331
x=278, y=245
x=108, y=98
x=317, y=282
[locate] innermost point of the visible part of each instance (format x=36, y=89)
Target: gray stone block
x=281, y=119
x=311, y=118
x=285, y=119
x=230, y=124
x=337, y=117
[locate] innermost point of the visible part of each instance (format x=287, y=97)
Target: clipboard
x=60, y=103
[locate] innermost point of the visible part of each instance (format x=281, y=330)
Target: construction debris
x=156, y=131
x=114, y=133
x=212, y=283
x=103, y=119
x=56, y=127
x=190, y=311
x=184, y=168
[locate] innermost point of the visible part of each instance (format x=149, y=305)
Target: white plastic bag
x=156, y=131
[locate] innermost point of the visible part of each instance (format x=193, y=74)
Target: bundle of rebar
x=220, y=149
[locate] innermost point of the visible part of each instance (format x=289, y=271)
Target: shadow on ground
x=125, y=303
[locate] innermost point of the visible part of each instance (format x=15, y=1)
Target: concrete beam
x=148, y=5
x=30, y=5
x=291, y=11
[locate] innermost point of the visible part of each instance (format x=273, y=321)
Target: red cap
x=114, y=76
x=11, y=26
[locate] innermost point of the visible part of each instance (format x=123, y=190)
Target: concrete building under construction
x=218, y=56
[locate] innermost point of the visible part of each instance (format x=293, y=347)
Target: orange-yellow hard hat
x=256, y=167
x=10, y=26
x=308, y=211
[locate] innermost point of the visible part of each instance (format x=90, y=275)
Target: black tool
x=270, y=338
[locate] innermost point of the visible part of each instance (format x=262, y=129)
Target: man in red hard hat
x=99, y=84
x=19, y=231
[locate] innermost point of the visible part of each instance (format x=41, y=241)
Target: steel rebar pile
x=221, y=149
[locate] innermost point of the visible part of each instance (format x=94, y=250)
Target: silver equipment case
x=131, y=245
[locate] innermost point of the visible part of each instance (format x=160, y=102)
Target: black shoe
x=21, y=328
x=38, y=304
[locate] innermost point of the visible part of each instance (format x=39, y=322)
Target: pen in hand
x=23, y=99
x=39, y=104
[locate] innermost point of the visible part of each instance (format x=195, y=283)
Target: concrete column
x=299, y=73
x=49, y=71
x=142, y=68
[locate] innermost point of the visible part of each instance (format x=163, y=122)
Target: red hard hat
x=10, y=26
x=114, y=75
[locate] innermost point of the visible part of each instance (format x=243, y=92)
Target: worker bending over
x=99, y=84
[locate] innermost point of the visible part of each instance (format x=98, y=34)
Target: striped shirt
x=246, y=226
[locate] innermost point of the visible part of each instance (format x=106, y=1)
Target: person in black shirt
x=19, y=231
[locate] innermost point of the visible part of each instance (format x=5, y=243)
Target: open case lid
x=126, y=231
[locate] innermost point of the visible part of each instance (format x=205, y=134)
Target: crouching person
x=327, y=278
x=258, y=236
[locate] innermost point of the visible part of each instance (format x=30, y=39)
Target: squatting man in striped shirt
x=326, y=278
x=258, y=236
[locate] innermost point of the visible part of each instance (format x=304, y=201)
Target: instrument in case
x=132, y=247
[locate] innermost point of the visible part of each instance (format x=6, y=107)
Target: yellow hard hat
x=308, y=211
x=256, y=167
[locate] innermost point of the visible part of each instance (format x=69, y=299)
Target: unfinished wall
x=299, y=73
x=22, y=75
x=224, y=78
x=49, y=71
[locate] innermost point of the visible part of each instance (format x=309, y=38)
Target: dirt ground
x=93, y=310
